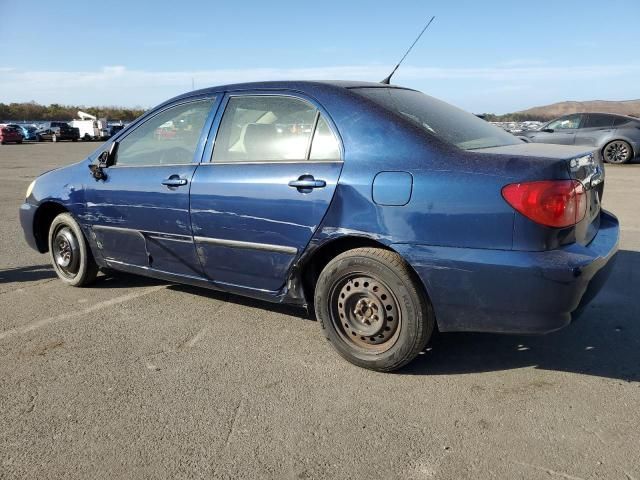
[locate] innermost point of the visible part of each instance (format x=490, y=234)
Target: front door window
x=169, y=138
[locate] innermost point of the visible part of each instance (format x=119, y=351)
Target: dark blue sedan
x=387, y=211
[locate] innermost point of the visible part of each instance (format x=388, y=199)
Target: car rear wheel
x=372, y=309
x=70, y=255
x=617, y=151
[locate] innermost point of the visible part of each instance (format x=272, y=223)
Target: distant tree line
x=33, y=111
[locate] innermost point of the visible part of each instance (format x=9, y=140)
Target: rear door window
x=273, y=128
x=598, y=121
x=325, y=145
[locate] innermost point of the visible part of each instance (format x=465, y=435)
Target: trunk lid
x=583, y=164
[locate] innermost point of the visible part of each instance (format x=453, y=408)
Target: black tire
x=74, y=139
x=617, y=152
x=38, y=138
x=70, y=254
x=372, y=310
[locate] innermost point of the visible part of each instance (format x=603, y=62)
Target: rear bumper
x=513, y=291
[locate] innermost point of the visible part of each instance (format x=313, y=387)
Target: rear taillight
x=554, y=203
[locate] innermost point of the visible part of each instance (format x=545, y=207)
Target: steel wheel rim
x=365, y=313
x=617, y=152
x=66, y=252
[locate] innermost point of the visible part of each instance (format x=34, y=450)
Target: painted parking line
x=65, y=316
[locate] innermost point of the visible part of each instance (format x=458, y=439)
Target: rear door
x=594, y=128
x=140, y=213
x=271, y=177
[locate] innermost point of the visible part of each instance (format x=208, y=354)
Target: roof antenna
x=388, y=79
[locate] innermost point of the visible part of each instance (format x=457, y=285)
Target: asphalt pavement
x=137, y=378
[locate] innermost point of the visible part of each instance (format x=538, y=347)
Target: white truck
x=91, y=128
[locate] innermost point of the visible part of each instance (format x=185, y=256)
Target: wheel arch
x=42, y=220
x=618, y=138
x=309, y=267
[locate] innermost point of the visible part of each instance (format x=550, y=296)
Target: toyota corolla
x=387, y=212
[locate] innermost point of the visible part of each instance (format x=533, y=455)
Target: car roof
x=296, y=84
x=299, y=85
x=609, y=114
x=612, y=115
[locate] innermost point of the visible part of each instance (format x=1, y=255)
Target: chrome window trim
x=156, y=165
x=262, y=162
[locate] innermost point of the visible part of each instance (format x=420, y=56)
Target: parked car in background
x=387, y=211
x=56, y=131
x=10, y=134
x=616, y=137
x=113, y=129
x=90, y=127
x=28, y=131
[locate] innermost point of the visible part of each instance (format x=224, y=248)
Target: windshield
x=448, y=123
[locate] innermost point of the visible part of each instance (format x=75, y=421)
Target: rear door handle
x=174, y=181
x=307, y=182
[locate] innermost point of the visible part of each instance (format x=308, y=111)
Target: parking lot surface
x=136, y=378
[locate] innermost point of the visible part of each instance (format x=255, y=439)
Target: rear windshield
x=448, y=123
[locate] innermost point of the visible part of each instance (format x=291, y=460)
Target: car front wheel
x=70, y=255
x=372, y=309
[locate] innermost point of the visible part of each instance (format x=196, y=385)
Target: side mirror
x=108, y=158
x=547, y=130
x=105, y=160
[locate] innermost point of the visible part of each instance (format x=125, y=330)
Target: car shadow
x=290, y=310
x=604, y=341
x=34, y=273
x=30, y=273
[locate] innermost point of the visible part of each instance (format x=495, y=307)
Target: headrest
x=259, y=139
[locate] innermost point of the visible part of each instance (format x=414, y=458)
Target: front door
x=140, y=213
x=271, y=178
x=561, y=131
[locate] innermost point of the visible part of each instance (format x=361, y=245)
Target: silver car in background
x=616, y=136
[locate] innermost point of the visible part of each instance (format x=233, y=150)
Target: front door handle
x=305, y=183
x=174, y=181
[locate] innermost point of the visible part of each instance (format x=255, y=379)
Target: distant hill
x=549, y=112
x=625, y=107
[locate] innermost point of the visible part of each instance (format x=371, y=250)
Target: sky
x=484, y=56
